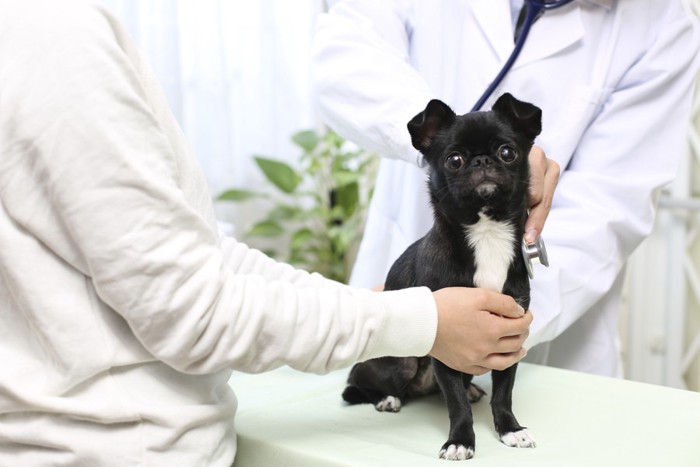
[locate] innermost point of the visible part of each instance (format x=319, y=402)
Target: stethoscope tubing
x=547, y=5
x=535, y=7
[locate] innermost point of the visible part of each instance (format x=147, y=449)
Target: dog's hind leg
x=382, y=402
x=474, y=392
x=509, y=430
x=381, y=381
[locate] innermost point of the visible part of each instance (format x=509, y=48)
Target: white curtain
x=236, y=76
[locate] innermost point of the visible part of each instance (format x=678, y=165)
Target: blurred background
x=236, y=77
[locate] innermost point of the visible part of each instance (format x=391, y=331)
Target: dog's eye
x=507, y=154
x=454, y=161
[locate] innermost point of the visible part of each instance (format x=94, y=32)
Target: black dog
x=478, y=187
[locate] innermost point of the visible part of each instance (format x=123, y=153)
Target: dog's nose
x=482, y=162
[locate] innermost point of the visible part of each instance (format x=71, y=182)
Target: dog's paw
x=474, y=393
x=519, y=439
x=388, y=404
x=456, y=452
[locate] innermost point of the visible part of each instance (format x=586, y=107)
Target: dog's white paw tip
x=457, y=452
x=519, y=439
x=388, y=404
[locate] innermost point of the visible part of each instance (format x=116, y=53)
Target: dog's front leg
x=509, y=430
x=460, y=444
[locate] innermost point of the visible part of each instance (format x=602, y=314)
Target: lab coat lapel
x=554, y=31
x=493, y=18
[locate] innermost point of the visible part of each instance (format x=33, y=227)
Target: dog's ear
x=523, y=116
x=424, y=126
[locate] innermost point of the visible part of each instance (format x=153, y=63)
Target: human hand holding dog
x=544, y=176
x=479, y=330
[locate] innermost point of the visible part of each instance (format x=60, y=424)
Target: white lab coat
x=614, y=81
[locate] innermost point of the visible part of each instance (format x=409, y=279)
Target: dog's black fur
x=478, y=172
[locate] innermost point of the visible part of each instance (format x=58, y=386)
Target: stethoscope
x=536, y=251
x=534, y=9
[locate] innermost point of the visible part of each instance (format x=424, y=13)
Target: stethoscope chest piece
x=534, y=252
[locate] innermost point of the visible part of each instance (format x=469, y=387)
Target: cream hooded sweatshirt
x=122, y=311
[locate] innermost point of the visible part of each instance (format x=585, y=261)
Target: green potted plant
x=319, y=206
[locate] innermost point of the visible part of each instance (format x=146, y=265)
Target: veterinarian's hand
x=479, y=330
x=544, y=176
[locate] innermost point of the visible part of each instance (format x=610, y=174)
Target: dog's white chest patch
x=492, y=242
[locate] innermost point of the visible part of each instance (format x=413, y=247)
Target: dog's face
x=478, y=160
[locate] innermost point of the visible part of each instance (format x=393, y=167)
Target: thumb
x=504, y=305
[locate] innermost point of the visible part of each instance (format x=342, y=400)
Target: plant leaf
x=237, y=195
x=270, y=253
x=334, y=140
x=266, y=228
x=345, y=177
x=283, y=213
x=301, y=237
x=282, y=175
x=348, y=197
x=306, y=139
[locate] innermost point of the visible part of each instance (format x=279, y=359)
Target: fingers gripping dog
x=478, y=185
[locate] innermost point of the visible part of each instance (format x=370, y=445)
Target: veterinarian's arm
x=377, y=78
x=603, y=206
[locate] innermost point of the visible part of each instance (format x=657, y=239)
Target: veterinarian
x=122, y=310
x=614, y=80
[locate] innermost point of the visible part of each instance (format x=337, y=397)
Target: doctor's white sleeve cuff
x=409, y=327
